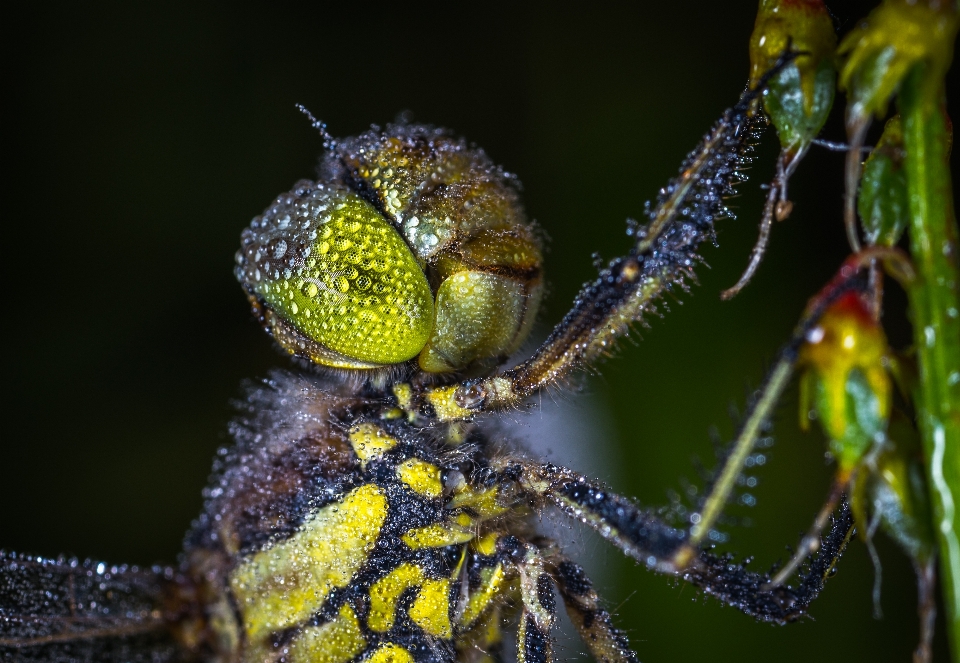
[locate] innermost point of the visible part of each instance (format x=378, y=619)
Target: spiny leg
x=478, y=613
x=639, y=533
x=538, y=573
x=811, y=540
x=606, y=643
x=752, y=592
x=534, y=637
x=642, y=535
x=662, y=258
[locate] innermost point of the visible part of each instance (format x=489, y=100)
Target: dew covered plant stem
x=935, y=303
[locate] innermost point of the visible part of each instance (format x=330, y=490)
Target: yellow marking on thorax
x=431, y=609
x=445, y=405
x=491, y=581
x=390, y=653
x=456, y=433
x=369, y=442
x=436, y=536
x=483, y=501
x=404, y=394
x=486, y=545
x=385, y=592
x=288, y=582
x=391, y=413
x=337, y=641
x=421, y=477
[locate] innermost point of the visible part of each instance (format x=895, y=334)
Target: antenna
x=328, y=141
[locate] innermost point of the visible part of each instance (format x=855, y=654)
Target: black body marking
x=536, y=643
x=545, y=594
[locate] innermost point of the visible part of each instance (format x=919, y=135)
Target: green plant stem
x=935, y=306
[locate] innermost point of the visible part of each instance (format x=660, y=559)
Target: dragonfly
x=368, y=509
x=365, y=510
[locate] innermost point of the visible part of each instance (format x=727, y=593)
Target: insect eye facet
x=339, y=283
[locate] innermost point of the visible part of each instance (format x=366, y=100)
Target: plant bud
x=846, y=380
x=894, y=489
x=799, y=98
x=883, y=205
x=882, y=50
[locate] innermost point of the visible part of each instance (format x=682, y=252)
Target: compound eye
x=325, y=263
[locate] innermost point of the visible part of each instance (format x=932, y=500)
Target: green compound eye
x=339, y=283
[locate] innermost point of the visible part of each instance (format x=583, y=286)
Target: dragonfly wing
x=71, y=610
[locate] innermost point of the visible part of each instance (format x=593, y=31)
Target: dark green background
x=139, y=140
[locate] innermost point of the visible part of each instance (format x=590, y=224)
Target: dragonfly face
x=411, y=246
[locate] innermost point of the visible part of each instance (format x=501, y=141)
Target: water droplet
x=815, y=335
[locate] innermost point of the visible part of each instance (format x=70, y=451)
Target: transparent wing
x=70, y=610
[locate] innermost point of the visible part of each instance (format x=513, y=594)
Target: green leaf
x=883, y=204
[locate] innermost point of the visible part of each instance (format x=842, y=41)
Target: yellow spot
x=491, y=632
x=385, y=593
x=486, y=545
x=337, y=641
x=445, y=405
x=431, y=609
x=404, y=394
x=457, y=433
x=390, y=653
x=459, y=567
x=288, y=582
x=436, y=536
x=392, y=413
x=421, y=477
x=483, y=501
x=491, y=580
x=370, y=442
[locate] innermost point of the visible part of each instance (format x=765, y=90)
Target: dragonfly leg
x=606, y=643
x=534, y=637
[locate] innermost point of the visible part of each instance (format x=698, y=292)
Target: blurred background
x=140, y=139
